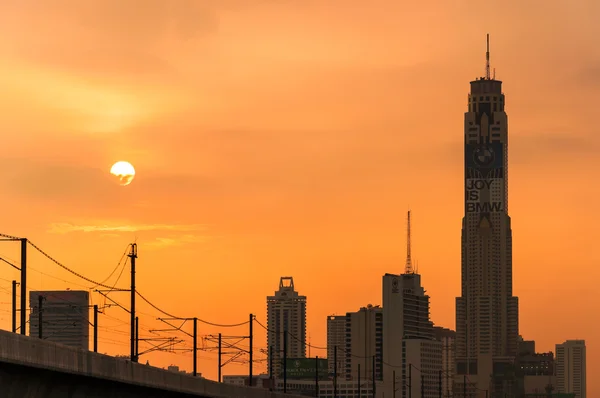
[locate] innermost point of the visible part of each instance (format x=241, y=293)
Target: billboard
x=305, y=368
x=484, y=178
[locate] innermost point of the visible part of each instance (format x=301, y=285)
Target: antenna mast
x=487, y=59
x=408, y=268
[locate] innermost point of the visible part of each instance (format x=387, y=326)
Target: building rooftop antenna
x=487, y=59
x=408, y=267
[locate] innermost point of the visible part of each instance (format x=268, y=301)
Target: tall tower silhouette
x=486, y=312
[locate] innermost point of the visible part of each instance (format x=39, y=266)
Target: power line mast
x=408, y=268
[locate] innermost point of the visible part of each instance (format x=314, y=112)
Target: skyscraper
x=286, y=312
x=486, y=312
x=65, y=317
x=571, y=368
x=336, y=337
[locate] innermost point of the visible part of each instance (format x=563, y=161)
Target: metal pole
x=422, y=385
x=220, y=366
x=137, y=338
x=335, y=365
x=358, y=372
x=317, y=376
x=373, y=371
x=40, y=300
x=270, y=368
x=409, y=380
x=394, y=384
x=23, y=285
x=14, y=306
x=250, y=338
x=195, y=349
x=285, y=361
x=133, y=255
x=95, y=328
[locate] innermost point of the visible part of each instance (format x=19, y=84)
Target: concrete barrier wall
x=35, y=353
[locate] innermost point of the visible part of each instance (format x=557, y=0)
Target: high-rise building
x=364, y=343
x=286, y=312
x=336, y=337
x=406, y=317
x=571, y=368
x=487, y=313
x=447, y=337
x=64, y=314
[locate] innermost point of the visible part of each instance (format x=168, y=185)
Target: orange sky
x=289, y=138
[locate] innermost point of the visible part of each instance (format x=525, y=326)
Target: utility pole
x=317, y=376
x=250, y=338
x=24, y=285
x=422, y=385
x=40, y=301
x=394, y=384
x=358, y=372
x=270, y=368
x=373, y=371
x=409, y=380
x=285, y=338
x=133, y=256
x=137, y=338
x=14, y=306
x=195, y=349
x=220, y=366
x=95, y=328
x=335, y=365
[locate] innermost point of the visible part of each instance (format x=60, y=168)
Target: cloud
x=162, y=242
x=63, y=228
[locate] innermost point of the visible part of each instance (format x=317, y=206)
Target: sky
x=289, y=138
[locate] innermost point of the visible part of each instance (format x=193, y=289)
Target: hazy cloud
x=162, y=242
x=63, y=228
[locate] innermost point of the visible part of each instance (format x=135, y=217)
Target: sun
x=124, y=171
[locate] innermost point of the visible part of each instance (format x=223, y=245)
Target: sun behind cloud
x=124, y=171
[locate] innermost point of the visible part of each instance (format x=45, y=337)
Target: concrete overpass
x=34, y=368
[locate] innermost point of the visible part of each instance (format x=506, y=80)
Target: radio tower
x=408, y=269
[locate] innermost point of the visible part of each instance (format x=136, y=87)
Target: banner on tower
x=484, y=178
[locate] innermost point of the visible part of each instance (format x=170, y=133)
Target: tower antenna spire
x=408, y=267
x=487, y=59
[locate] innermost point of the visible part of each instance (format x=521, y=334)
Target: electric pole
x=24, y=285
x=133, y=256
x=40, y=300
x=317, y=376
x=95, y=328
x=195, y=349
x=14, y=306
x=220, y=365
x=335, y=365
x=250, y=338
x=358, y=372
x=271, y=368
x=373, y=371
x=409, y=380
x=285, y=337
